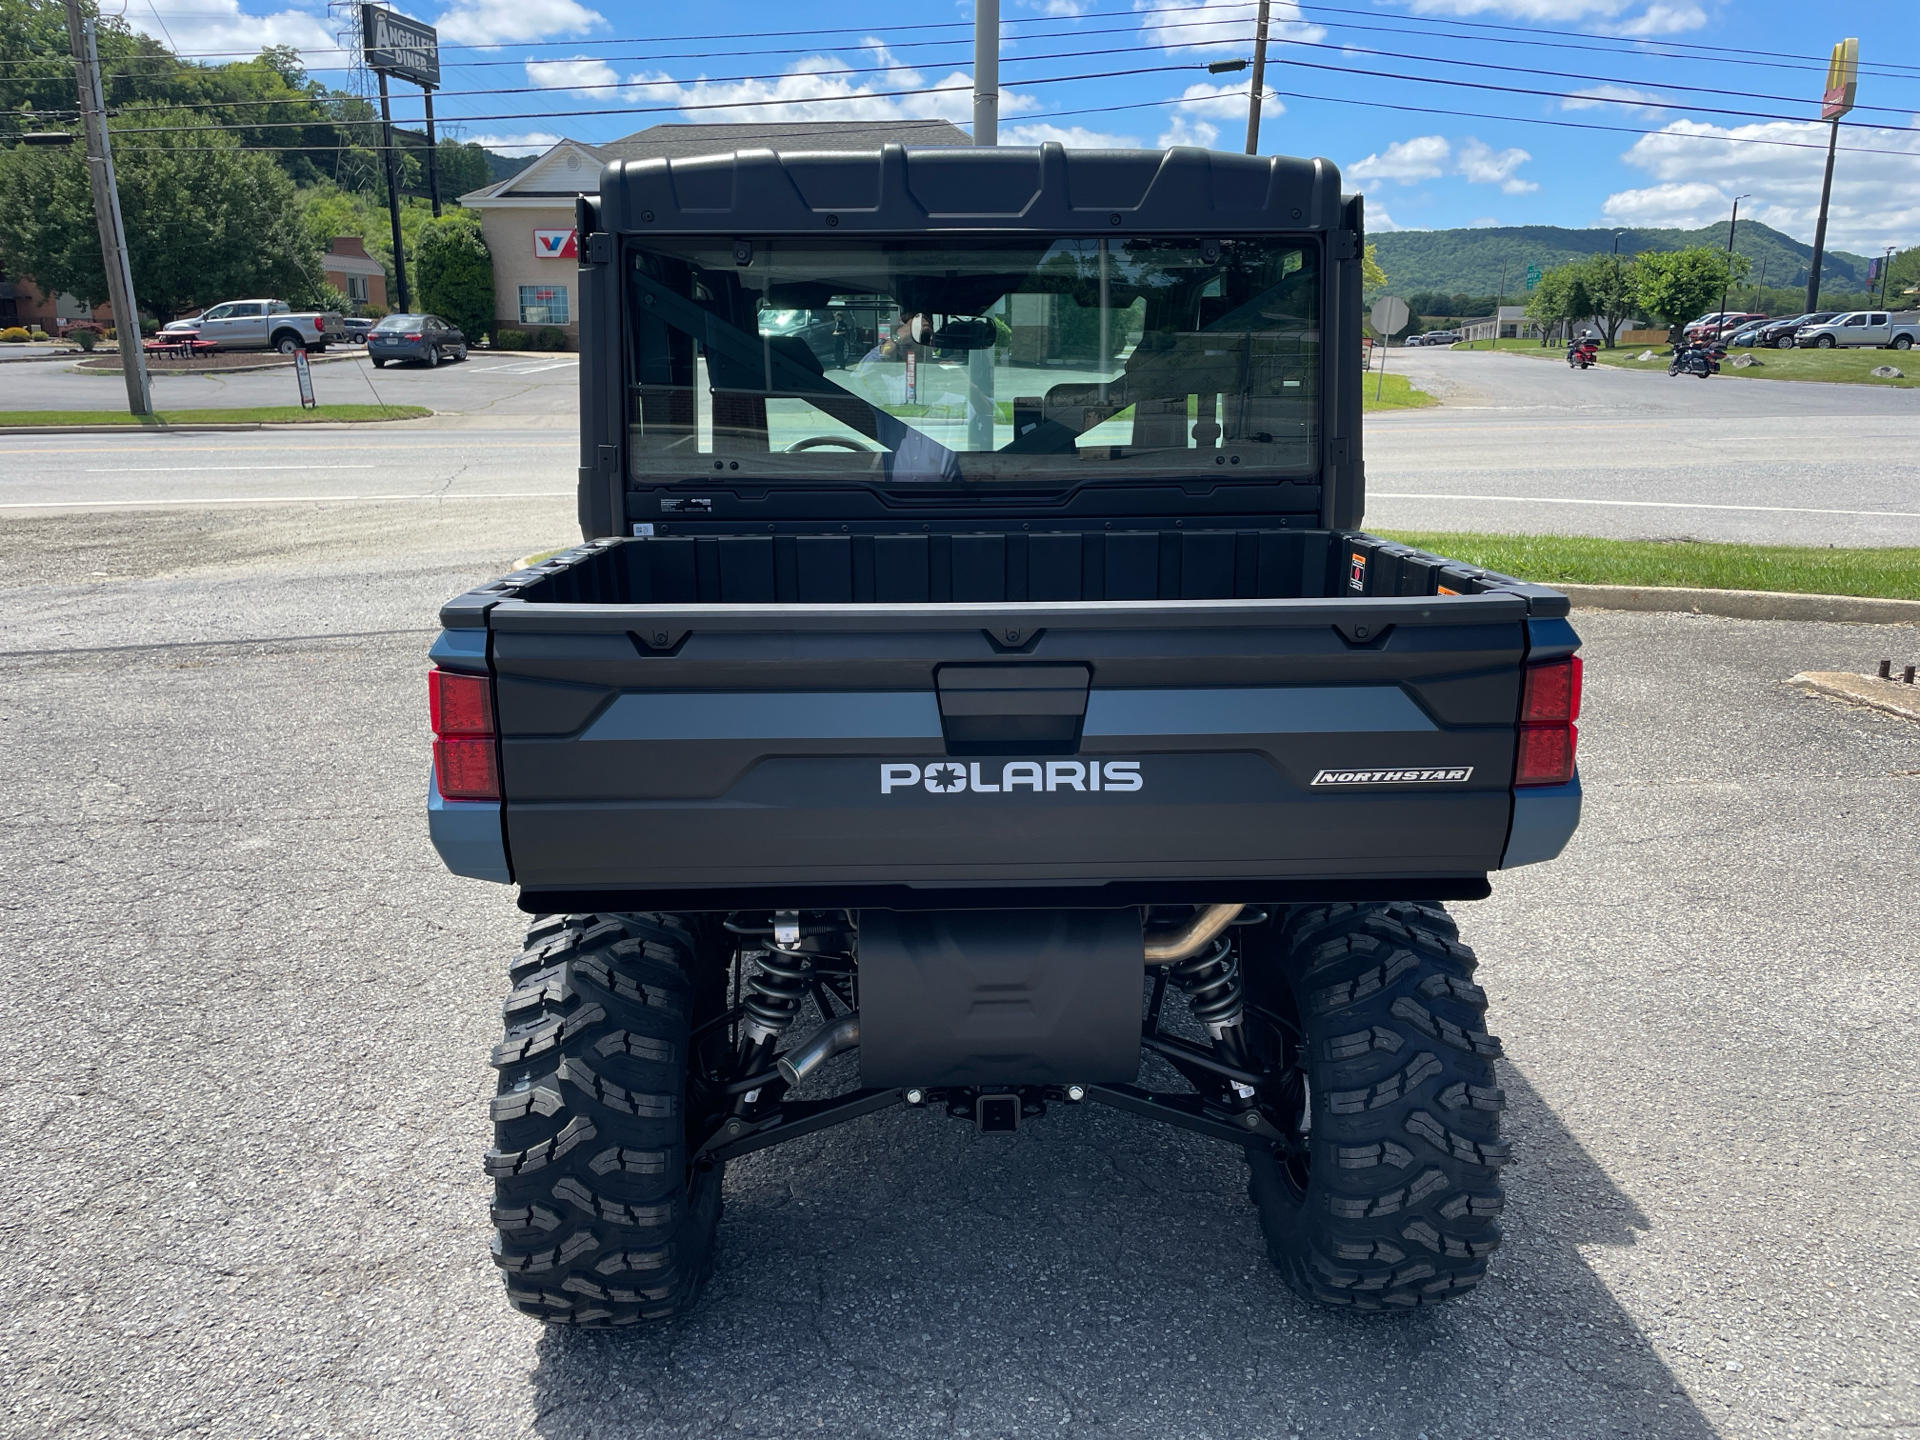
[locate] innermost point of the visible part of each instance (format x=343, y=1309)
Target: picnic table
x=183, y=347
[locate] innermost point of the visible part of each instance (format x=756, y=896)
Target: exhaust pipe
x=1192, y=937
x=818, y=1048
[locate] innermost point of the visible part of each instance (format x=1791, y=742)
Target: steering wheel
x=838, y=442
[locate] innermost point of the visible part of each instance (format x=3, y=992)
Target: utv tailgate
x=1172, y=747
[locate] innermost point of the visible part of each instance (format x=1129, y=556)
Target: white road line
x=1651, y=505
x=276, y=500
x=212, y=469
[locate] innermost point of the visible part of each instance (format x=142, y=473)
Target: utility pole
x=1258, y=88
x=106, y=210
x=1842, y=79
x=1886, y=268
x=986, y=72
x=1726, y=281
x=393, y=190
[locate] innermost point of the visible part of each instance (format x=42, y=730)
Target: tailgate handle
x=1012, y=709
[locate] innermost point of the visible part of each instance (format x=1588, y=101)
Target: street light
x=1727, y=279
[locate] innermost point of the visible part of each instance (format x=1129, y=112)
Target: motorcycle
x=1701, y=360
x=1582, y=354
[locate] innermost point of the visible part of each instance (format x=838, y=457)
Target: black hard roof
x=1044, y=189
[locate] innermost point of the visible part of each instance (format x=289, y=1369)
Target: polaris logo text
x=1451, y=773
x=951, y=777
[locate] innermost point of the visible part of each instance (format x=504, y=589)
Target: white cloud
x=797, y=94
x=529, y=142
x=1659, y=18
x=580, y=70
x=1876, y=198
x=1074, y=137
x=202, y=27
x=1480, y=164
x=1184, y=130
x=1379, y=222
x=1618, y=99
x=1227, y=102
x=492, y=22
x=1221, y=24
x=1065, y=9
x=1420, y=158
x=1664, y=20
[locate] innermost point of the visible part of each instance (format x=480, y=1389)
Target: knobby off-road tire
x=598, y=1218
x=1393, y=1204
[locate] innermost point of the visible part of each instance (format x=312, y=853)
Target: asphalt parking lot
x=245, y=1063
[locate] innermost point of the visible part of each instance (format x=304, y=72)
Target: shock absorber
x=1211, y=982
x=771, y=998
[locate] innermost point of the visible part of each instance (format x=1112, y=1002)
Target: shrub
x=85, y=336
x=456, y=272
x=376, y=312
x=14, y=335
x=511, y=339
x=550, y=339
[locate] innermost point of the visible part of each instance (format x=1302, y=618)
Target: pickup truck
x=1863, y=329
x=264, y=325
x=1024, y=729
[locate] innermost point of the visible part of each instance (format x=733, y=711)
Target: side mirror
x=973, y=333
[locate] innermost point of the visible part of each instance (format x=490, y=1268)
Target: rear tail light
x=410, y=337
x=1549, y=705
x=319, y=325
x=466, y=764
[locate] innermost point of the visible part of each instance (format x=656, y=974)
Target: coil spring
x=1212, y=985
x=774, y=993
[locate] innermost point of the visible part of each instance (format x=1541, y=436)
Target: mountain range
x=1471, y=261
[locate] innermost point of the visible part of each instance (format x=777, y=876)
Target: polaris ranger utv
x=974, y=669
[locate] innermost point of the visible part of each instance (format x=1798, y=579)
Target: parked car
x=263, y=325
x=1724, y=326
x=1863, y=330
x=1745, y=336
x=1779, y=334
x=1443, y=337
x=426, y=338
x=358, y=327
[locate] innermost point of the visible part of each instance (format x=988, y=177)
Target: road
x=523, y=387
x=244, y=1052
x=1521, y=444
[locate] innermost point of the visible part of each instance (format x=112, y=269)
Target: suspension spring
x=774, y=994
x=1211, y=981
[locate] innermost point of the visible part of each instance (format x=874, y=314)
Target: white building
x=527, y=219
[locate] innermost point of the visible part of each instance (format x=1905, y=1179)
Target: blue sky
x=1695, y=101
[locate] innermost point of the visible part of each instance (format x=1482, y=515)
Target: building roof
x=341, y=263
x=572, y=167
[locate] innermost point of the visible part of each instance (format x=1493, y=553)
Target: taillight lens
x=410, y=337
x=466, y=762
x=319, y=324
x=1548, y=707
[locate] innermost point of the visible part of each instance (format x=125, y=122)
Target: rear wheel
x=599, y=1218
x=433, y=356
x=286, y=345
x=1903, y=342
x=1370, y=1025
x=379, y=364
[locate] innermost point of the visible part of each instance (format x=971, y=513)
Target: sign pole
x=393, y=193
x=986, y=72
x=433, y=153
x=1843, y=70
x=1256, y=89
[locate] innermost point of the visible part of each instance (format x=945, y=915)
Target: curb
x=1744, y=604
x=1868, y=690
x=6, y=430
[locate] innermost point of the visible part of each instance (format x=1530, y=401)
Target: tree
x=206, y=221
x=1560, y=297
x=1608, y=282
x=456, y=272
x=463, y=167
x=1903, y=280
x=1372, y=277
x=1676, y=287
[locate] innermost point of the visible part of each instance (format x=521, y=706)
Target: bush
x=456, y=272
x=376, y=312
x=14, y=335
x=85, y=336
x=512, y=339
x=550, y=339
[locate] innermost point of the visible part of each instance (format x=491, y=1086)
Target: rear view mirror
x=973, y=333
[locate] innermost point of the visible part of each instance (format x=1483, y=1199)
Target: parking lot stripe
x=137, y=504
x=1649, y=504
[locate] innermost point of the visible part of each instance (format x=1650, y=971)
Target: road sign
x=400, y=46
x=1389, y=314
x=1533, y=276
x=305, y=377
x=1843, y=75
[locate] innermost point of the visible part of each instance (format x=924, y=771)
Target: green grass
x=1396, y=392
x=1846, y=367
x=252, y=415
x=1556, y=348
x=1579, y=560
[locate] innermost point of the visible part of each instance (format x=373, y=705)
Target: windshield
x=940, y=360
